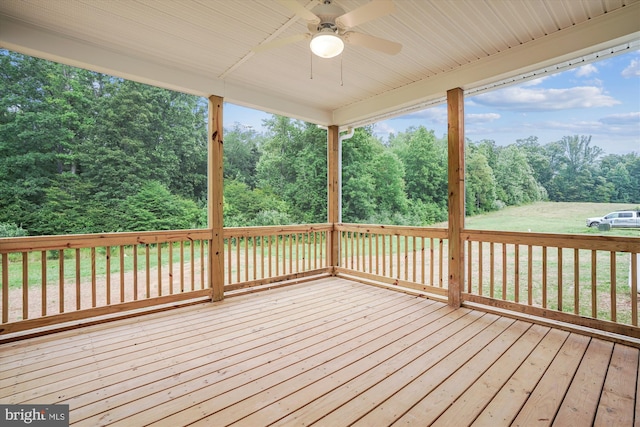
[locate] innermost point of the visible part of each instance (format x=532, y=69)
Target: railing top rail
x=275, y=230
x=400, y=230
x=573, y=241
x=73, y=241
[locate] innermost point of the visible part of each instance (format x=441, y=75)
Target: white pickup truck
x=618, y=219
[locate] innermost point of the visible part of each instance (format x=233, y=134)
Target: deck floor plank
x=359, y=376
x=466, y=407
x=617, y=404
x=543, y=403
x=580, y=404
x=225, y=378
x=155, y=348
x=195, y=347
x=329, y=352
x=438, y=400
x=506, y=404
x=316, y=362
x=151, y=373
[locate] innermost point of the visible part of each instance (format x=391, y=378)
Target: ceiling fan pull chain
x=311, y=66
x=341, y=80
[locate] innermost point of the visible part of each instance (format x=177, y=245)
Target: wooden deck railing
x=55, y=279
x=262, y=255
x=411, y=257
x=587, y=280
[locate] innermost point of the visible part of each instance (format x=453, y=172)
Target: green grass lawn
x=551, y=217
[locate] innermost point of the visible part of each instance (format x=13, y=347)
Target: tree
x=480, y=184
x=516, y=184
x=574, y=160
x=425, y=163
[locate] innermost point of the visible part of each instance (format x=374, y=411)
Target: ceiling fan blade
x=300, y=10
x=370, y=11
x=372, y=42
x=281, y=42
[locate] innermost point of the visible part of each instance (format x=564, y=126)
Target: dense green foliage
x=81, y=152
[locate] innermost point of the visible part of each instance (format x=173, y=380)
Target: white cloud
x=383, y=129
x=481, y=118
x=519, y=98
x=632, y=70
x=586, y=70
x=632, y=118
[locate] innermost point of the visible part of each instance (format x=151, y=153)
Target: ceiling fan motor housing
x=327, y=12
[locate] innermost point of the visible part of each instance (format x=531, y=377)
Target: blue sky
x=601, y=99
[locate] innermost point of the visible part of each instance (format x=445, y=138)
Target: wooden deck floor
x=329, y=353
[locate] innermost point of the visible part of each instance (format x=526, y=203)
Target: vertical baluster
x=594, y=289
x=398, y=254
x=370, y=252
x=423, y=264
x=254, y=241
x=5, y=288
x=270, y=262
x=78, y=279
x=406, y=258
x=202, y=263
x=384, y=255
x=308, y=251
x=378, y=254
x=25, y=286
x=559, y=279
x=290, y=236
x=159, y=256
x=413, y=245
x=469, y=267
x=492, y=259
x=93, y=277
x=612, y=262
x=516, y=255
x=297, y=239
x=238, y=263
x=43, y=287
x=544, y=277
x=504, y=271
x=576, y=281
x=192, y=251
x=122, y=267
x=323, y=249
x=441, y=260
x=108, y=273
x=170, y=268
x=480, y=272
x=315, y=250
x=147, y=259
x=530, y=275
x=246, y=258
x=634, y=289
x=61, y=281
x=229, y=257
x=432, y=263
x=135, y=272
x=262, y=245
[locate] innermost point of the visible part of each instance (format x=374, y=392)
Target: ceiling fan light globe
x=326, y=45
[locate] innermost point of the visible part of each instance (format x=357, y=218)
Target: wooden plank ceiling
x=204, y=47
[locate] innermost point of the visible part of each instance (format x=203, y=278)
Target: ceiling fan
x=330, y=28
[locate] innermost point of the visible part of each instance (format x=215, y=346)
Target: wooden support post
x=333, y=147
x=215, y=194
x=455, y=104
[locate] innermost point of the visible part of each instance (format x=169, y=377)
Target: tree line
x=82, y=152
